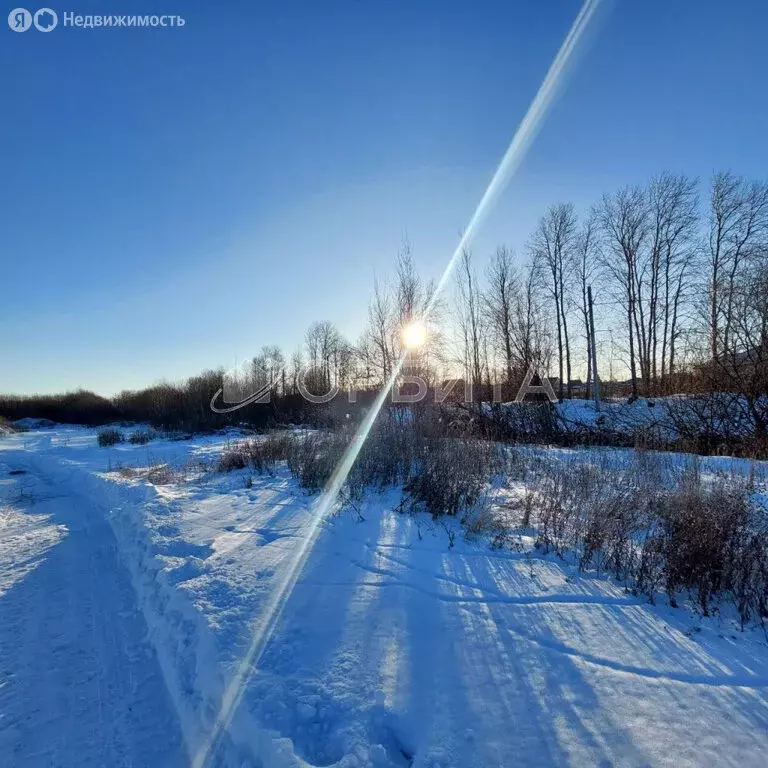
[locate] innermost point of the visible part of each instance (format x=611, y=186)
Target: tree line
x=680, y=275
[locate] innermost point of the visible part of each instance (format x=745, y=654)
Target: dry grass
x=156, y=473
x=657, y=531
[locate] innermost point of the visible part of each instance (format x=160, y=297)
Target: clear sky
x=173, y=199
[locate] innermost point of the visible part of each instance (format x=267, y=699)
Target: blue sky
x=172, y=199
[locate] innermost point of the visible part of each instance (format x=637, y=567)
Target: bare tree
x=391, y=311
x=324, y=342
x=624, y=222
x=741, y=369
x=268, y=366
x=409, y=290
x=552, y=250
x=586, y=247
x=471, y=323
x=296, y=365
x=531, y=339
x=379, y=334
x=673, y=221
x=503, y=286
x=738, y=227
x=368, y=372
x=737, y=299
x=411, y=298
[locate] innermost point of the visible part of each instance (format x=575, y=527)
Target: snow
x=666, y=418
x=79, y=683
x=126, y=607
x=30, y=423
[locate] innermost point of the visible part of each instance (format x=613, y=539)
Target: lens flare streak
x=272, y=612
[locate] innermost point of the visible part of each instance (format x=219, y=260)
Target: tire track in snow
x=82, y=686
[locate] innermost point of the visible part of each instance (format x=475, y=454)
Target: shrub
x=163, y=474
x=261, y=453
x=451, y=474
x=314, y=456
x=141, y=436
x=110, y=436
x=6, y=427
x=442, y=475
x=232, y=457
x=713, y=540
x=658, y=530
x=265, y=452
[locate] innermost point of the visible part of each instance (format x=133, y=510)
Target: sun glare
x=414, y=335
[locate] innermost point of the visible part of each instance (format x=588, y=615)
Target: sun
x=414, y=335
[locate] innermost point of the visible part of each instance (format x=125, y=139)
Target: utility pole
x=595, y=380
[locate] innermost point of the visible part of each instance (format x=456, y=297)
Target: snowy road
x=79, y=682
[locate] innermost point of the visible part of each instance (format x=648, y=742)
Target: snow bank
x=30, y=423
x=665, y=418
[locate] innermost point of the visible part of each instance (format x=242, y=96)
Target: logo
x=20, y=19
x=252, y=382
x=46, y=20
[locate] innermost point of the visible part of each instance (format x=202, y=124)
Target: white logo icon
x=46, y=20
x=20, y=19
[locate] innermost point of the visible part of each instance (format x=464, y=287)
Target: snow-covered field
x=126, y=607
